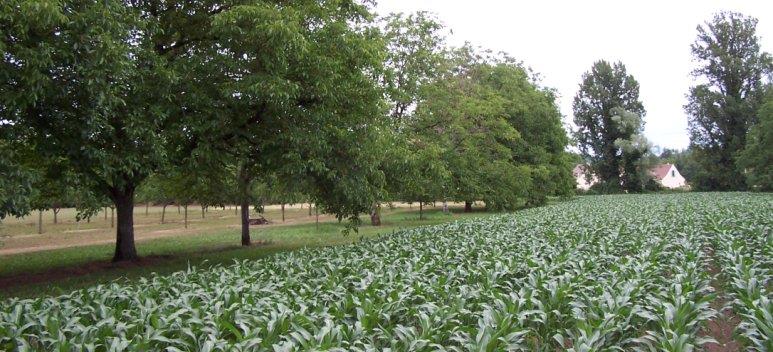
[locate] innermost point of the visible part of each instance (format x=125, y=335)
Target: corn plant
x=602, y=273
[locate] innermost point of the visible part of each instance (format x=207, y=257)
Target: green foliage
x=563, y=277
x=15, y=184
x=290, y=100
x=722, y=110
x=414, y=57
x=609, y=119
x=757, y=158
x=497, y=132
x=83, y=79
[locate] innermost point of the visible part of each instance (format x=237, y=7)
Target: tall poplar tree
x=607, y=94
x=723, y=108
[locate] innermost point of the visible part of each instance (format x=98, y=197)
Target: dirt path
x=35, y=243
x=722, y=326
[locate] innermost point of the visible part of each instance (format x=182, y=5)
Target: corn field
x=603, y=273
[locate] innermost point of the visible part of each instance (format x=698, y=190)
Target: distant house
x=668, y=176
x=579, y=173
x=665, y=174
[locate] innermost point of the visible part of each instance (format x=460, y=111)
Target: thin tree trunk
x=375, y=215
x=203, y=209
x=421, y=211
x=245, y=206
x=56, y=213
x=310, y=209
x=124, y=245
x=40, y=221
x=283, y=212
x=185, y=218
x=163, y=213
x=112, y=218
x=316, y=212
x=467, y=207
x=244, y=181
x=236, y=210
x=105, y=213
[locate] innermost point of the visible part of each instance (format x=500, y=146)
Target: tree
x=84, y=76
x=414, y=56
x=533, y=112
x=290, y=93
x=607, y=113
x=425, y=177
x=757, y=158
x=465, y=118
x=723, y=108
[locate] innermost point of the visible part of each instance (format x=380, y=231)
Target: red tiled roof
x=660, y=171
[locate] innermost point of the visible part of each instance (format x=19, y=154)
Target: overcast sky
x=562, y=39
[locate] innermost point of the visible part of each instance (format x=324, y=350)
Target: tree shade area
x=253, y=102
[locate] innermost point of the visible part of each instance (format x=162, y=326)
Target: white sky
x=561, y=40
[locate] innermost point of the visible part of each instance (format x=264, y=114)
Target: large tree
x=532, y=110
x=721, y=110
x=291, y=92
x=84, y=77
x=607, y=113
x=477, y=115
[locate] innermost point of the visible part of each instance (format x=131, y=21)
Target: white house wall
x=675, y=181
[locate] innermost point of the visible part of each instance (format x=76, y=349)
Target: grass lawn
x=61, y=270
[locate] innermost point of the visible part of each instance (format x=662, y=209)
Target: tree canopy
x=609, y=119
x=723, y=108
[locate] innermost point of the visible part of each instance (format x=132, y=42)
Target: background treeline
x=248, y=102
x=730, y=117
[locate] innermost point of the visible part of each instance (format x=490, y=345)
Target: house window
x=673, y=173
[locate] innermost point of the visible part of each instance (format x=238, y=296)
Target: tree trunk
x=40, y=221
x=236, y=210
x=421, y=211
x=124, y=244
x=244, y=182
x=105, y=213
x=203, y=209
x=185, y=217
x=375, y=215
x=245, y=206
x=309, y=209
x=316, y=212
x=467, y=207
x=163, y=213
x=56, y=213
x=112, y=218
x=178, y=209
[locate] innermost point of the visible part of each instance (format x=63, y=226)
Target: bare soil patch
x=722, y=326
